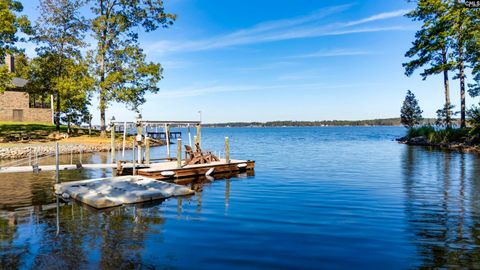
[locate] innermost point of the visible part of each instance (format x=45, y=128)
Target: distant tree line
x=373, y=122
x=113, y=68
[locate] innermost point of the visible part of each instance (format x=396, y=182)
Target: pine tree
x=432, y=43
x=411, y=114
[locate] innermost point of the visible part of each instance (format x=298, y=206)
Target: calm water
x=330, y=198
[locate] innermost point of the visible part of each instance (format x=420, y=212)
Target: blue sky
x=282, y=60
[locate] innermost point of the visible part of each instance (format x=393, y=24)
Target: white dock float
x=114, y=191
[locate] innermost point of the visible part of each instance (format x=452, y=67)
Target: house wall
x=13, y=100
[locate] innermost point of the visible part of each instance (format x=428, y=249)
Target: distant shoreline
x=326, y=123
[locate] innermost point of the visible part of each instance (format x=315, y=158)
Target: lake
x=326, y=197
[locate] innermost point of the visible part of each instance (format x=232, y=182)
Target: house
x=17, y=105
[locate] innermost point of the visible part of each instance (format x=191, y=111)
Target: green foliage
x=422, y=131
x=430, y=47
x=474, y=121
x=10, y=24
x=444, y=116
x=60, y=68
x=121, y=71
x=439, y=136
x=411, y=114
x=5, y=78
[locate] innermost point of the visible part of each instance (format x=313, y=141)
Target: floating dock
x=115, y=191
x=169, y=170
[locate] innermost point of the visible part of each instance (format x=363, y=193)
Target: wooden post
x=195, y=142
x=112, y=142
x=57, y=164
x=199, y=138
x=124, y=138
x=90, y=125
x=179, y=153
x=139, y=141
x=133, y=159
x=189, y=136
x=147, y=150
x=227, y=150
x=167, y=139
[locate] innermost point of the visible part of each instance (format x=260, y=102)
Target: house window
x=18, y=115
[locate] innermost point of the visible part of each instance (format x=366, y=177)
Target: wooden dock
x=115, y=191
x=169, y=170
x=20, y=169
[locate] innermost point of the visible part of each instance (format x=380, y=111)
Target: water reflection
x=444, y=231
x=61, y=235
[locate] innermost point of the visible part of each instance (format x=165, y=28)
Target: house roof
x=19, y=82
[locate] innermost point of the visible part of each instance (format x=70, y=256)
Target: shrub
x=424, y=131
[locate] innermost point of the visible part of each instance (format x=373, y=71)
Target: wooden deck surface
x=156, y=170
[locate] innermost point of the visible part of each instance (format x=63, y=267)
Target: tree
x=411, y=114
x=473, y=50
x=460, y=30
x=10, y=24
x=445, y=117
x=122, y=74
x=60, y=31
x=432, y=43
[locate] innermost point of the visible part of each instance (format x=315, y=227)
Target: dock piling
x=199, y=141
x=147, y=150
x=139, y=137
x=57, y=164
x=227, y=150
x=134, y=172
x=167, y=138
x=124, y=138
x=112, y=138
x=179, y=153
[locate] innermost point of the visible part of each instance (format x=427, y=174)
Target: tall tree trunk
x=103, y=131
x=446, y=85
x=462, y=94
x=461, y=65
x=57, y=113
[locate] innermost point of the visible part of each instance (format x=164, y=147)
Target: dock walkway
x=20, y=169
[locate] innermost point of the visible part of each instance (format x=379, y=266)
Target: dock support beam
x=227, y=150
x=57, y=164
x=179, y=153
x=195, y=141
x=147, y=150
x=124, y=138
x=139, y=137
x=167, y=138
x=199, y=140
x=112, y=138
x=134, y=172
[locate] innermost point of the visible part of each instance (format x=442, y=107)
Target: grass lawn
x=15, y=131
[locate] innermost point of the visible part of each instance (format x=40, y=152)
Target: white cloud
x=380, y=16
x=215, y=89
x=303, y=27
x=333, y=53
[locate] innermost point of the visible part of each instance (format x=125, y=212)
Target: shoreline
x=453, y=146
x=20, y=151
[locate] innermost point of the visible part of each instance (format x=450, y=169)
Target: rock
x=421, y=140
